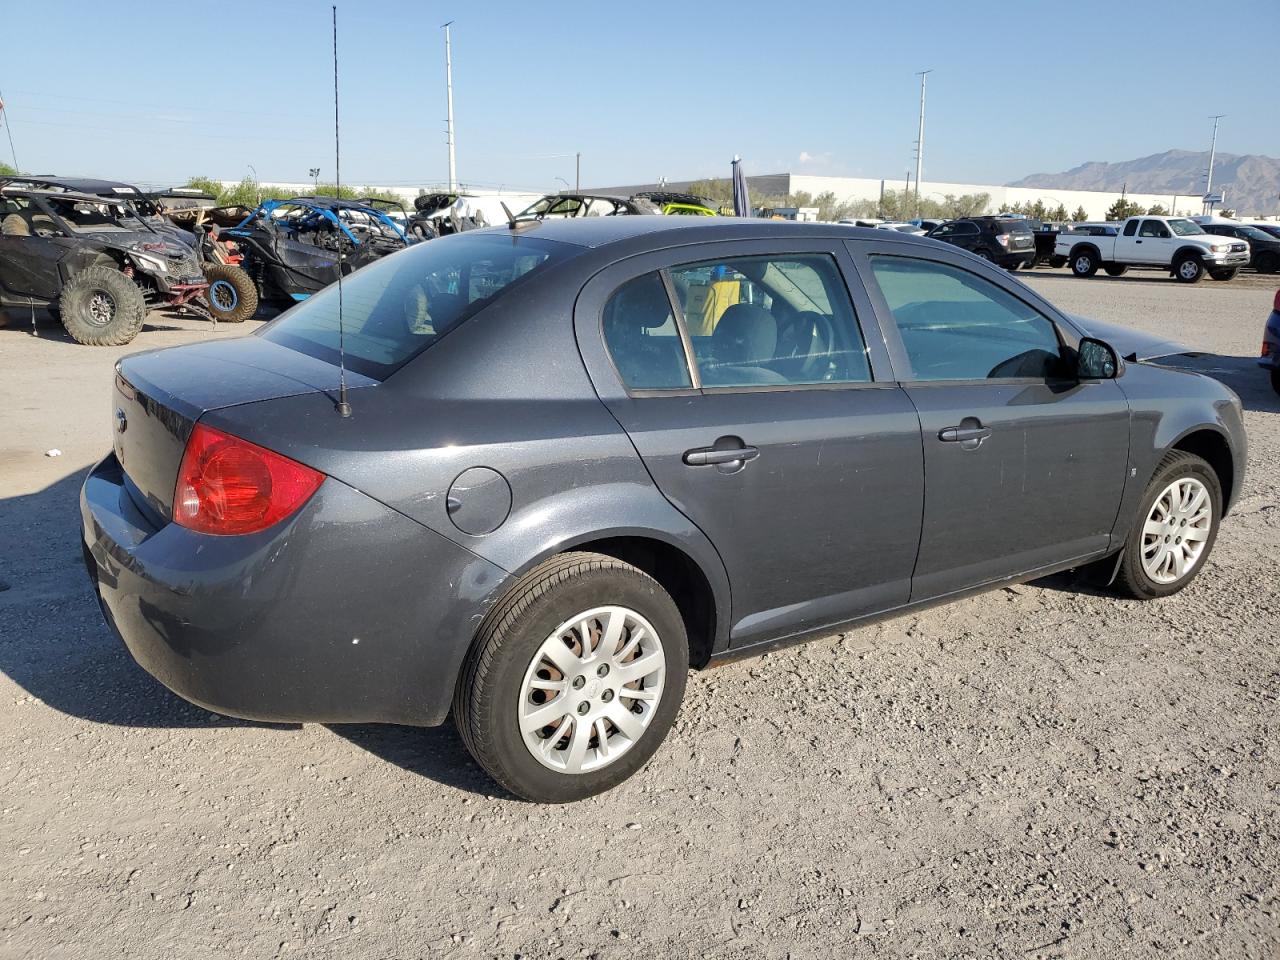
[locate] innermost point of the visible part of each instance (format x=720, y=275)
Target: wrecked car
x=564, y=205
x=293, y=248
x=96, y=263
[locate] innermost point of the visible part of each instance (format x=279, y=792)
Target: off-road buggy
x=94, y=261
x=294, y=248
x=560, y=205
x=679, y=204
x=232, y=297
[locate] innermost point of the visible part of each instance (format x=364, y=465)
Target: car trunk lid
x=159, y=395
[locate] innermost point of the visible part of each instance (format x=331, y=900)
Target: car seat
x=745, y=338
x=645, y=361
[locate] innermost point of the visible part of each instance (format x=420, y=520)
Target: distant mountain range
x=1251, y=181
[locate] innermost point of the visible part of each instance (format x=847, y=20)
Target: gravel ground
x=1044, y=771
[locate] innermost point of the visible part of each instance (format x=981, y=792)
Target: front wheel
x=574, y=679
x=1226, y=274
x=1189, y=270
x=1177, y=525
x=101, y=307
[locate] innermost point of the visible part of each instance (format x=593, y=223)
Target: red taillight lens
x=230, y=486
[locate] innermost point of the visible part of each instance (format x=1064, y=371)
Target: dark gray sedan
x=584, y=455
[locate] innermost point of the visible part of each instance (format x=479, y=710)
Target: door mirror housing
x=1096, y=360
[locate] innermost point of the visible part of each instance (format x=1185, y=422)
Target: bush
x=249, y=193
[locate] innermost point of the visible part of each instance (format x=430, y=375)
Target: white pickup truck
x=1175, y=244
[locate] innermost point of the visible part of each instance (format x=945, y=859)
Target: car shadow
x=436, y=753
x=1242, y=374
x=55, y=644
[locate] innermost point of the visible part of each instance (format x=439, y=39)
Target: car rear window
x=1013, y=226
x=395, y=308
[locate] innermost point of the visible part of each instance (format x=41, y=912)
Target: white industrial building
x=852, y=189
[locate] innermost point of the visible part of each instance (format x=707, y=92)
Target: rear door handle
x=962, y=434
x=707, y=456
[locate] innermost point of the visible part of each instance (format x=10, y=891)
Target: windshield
x=1253, y=233
x=1185, y=228
x=395, y=308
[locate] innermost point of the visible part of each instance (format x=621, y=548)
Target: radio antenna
x=342, y=406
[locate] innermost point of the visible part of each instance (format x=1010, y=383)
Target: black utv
x=95, y=262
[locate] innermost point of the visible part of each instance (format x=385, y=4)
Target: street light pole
x=1213, y=149
x=924, y=78
x=577, y=173
x=448, y=82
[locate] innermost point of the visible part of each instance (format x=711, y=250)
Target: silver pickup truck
x=1175, y=244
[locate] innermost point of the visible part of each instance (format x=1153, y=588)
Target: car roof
x=83, y=185
x=63, y=195
x=602, y=231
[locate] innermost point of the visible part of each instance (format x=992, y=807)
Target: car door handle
x=962, y=434
x=1139, y=241
x=707, y=456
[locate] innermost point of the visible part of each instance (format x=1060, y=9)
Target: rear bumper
x=346, y=612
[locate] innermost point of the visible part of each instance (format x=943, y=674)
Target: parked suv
x=1264, y=248
x=1004, y=241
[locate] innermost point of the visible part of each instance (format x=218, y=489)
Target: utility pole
x=1213, y=150
x=448, y=83
x=577, y=173
x=924, y=78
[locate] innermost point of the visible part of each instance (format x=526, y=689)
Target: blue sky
x=643, y=90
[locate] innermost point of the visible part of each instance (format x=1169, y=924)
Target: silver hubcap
x=102, y=308
x=592, y=689
x=1176, y=530
x=1189, y=268
x=1083, y=264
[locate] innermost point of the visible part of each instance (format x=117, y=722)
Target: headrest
x=745, y=334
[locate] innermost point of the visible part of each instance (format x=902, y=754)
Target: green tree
x=249, y=193
x=6, y=170
x=1059, y=214
x=1080, y=214
x=1123, y=209
x=1156, y=210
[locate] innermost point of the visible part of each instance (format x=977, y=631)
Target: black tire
x=1116, y=269
x=488, y=694
x=1084, y=263
x=232, y=296
x=983, y=254
x=1057, y=262
x=1268, y=263
x=1188, y=270
x=1132, y=578
x=1227, y=274
x=101, y=307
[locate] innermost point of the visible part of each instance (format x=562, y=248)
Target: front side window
x=956, y=325
x=771, y=321
x=399, y=306
x=643, y=340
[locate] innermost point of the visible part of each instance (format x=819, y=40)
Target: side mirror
x=1096, y=360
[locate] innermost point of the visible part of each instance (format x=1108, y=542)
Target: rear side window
x=956, y=325
x=770, y=321
x=643, y=339
x=1131, y=228
x=397, y=307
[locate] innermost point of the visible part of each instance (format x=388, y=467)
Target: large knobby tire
x=1228, y=273
x=232, y=296
x=1116, y=269
x=1169, y=525
x=509, y=685
x=1188, y=270
x=1084, y=263
x=101, y=307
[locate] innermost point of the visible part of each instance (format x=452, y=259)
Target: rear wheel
x=1057, y=262
x=1227, y=274
x=1177, y=525
x=101, y=307
x=985, y=256
x=1084, y=263
x=1116, y=269
x=574, y=680
x=1188, y=270
x=232, y=296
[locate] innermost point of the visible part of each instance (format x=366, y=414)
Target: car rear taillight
x=1002, y=239
x=1275, y=304
x=1266, y=348
x=230, y=486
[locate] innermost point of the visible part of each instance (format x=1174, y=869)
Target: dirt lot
x=1044, y=771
